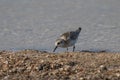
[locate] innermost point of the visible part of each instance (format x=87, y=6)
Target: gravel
x=41, y=65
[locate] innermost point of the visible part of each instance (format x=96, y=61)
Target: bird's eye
x=58, y=43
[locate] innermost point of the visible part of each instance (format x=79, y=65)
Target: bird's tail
x=79, y=30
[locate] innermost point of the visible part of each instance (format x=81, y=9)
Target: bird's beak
x=55, y=49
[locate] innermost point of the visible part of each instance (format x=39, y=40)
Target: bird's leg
x=73, y=48
x=55, y=49
x=67, y=49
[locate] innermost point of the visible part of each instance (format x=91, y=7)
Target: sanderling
x=67, y=39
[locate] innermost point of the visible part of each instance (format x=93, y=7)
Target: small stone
x=1, y=57
x=14, y=70
x=29, y=68
x=6, y=77
x=47, y=56
x=22, y=69
x=72, y=63
x=5, y=67
x=81, y=78
x=118, y=74
x=56, y=66
x=36, y=67
x=61, y=69
x=44, y=66
x=66, y=67
x=102, y=68
x=42, y=61
x=6, y=62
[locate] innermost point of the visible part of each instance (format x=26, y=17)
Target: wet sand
x=41, y=65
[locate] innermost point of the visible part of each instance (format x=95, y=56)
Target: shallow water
x=35, y=24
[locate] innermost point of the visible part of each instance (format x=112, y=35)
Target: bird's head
x=59, y=43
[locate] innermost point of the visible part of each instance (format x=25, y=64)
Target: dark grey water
x=35, y=24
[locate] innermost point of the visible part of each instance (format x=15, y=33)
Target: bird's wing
x=73, y=35
x=65, y=36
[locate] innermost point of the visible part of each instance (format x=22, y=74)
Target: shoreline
x=34, y=64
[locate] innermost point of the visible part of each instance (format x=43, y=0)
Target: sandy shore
x=38, y=65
